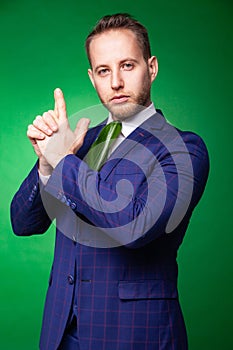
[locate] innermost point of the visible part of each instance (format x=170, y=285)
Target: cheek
x=138, y=81
x=102, y=87
x=138, y=75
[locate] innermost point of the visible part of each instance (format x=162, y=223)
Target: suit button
x=63, y=199
x=73, y=205
x=59, y=195
x=70, y=279
x=68, y=202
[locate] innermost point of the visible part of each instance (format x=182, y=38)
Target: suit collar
x=156, y=121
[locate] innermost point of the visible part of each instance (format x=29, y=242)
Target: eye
x=103, y=71
x=127, y=66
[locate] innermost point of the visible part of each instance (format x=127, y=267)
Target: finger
x=80, y=131
x=82, y=125
x=60, y=105
x=55, y=106
x=33, y=133
x=40, y=124
x=51, y=120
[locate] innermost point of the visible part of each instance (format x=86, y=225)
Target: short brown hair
x=121, y=21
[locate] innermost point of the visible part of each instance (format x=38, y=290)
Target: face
x=120, y=74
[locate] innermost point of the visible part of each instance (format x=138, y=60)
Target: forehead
x=113, y=45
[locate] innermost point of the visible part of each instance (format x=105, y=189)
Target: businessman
x=122, y=194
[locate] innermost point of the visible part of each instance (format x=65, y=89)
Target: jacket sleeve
x=137, y=207
x=28, y=215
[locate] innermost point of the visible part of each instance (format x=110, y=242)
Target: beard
x=127, y=109
x=135, y=104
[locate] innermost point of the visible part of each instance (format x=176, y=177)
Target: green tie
x=98, y=153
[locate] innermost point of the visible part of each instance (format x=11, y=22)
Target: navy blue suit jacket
x=118, y=232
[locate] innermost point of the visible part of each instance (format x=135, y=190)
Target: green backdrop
x=42, y=48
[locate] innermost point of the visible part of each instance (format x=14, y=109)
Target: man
x=113, y=283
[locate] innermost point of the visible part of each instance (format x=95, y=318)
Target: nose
x=116, y=80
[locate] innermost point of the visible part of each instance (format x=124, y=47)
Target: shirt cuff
x=43, y=178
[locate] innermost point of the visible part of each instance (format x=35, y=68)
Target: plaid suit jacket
x=123, y=261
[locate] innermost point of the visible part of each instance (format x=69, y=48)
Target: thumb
x=80, y=133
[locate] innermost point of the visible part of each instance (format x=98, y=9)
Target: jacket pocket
x=147, y=289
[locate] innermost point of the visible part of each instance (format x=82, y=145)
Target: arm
x=153, y=205
x=28, y=215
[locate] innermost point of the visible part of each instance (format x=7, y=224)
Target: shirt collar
x=131, y=123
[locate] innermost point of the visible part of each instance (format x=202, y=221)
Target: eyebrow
x=121, y=62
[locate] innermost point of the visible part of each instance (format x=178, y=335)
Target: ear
x=90, y=74
x=153, y=67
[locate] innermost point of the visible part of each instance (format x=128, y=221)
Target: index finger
x=60, y=105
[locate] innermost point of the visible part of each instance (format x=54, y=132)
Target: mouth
x=119, y=99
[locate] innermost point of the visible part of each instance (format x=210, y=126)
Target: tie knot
x=110, y=132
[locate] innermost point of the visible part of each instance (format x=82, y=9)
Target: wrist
x=44, y=167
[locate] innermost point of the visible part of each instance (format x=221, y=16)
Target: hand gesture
x=52, y=137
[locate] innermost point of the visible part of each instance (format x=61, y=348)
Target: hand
x=56, y=144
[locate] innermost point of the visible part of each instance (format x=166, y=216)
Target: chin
x=124, y=110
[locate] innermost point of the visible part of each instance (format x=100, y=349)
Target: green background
x=42, y=47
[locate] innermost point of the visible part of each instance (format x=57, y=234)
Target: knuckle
x=37, y=120
x=45, y=116
x=29, y=129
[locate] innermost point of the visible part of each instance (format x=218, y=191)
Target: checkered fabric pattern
x=127, y=295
